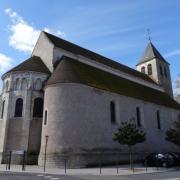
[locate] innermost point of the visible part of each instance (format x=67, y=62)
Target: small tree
x=173, y=134
x=128, y=134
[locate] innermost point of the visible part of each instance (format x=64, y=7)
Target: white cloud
x=5, y=63
x=24, y=36
x=172, y=53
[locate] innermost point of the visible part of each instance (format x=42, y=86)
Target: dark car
x=176, y=157
x=159, y=160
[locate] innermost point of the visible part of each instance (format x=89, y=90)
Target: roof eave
x=144, y=61
x=13, y=72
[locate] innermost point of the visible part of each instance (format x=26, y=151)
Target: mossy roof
x=33, y=63
x=72, y=71
x=68, y=46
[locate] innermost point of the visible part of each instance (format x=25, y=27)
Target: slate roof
x=68, y=46
x=150, y=53
x=72, y=71
x=34, y=63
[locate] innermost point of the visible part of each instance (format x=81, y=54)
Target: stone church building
x=72, y=100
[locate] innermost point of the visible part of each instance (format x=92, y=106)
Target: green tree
x=173, y=134
x=128, y=134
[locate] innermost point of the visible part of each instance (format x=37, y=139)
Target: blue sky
x=114, y=28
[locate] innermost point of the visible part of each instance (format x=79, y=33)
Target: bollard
x=117, y=169
x=65, y=166
x=146, y=164
x=132, y=164
x=46, y=142
x=9, y=162
x=24, y=161
x=157, y=165
x=100, y=167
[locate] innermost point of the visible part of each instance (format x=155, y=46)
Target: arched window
x=158, y=120
x=161, y=70
x=18, y=108
x=38, y=84
x=113, y=112
x=38, y=107
x=149, y=67
x=45, y=117
x=2, y=110
x=138, y=116
x=143, y=69
x=165, y=72
x=24, y=84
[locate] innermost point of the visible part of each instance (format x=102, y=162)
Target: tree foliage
x=129, y=134
x=173, y=134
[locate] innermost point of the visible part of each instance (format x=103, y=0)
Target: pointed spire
x=150, y=53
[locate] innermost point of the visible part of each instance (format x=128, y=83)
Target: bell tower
x=156, y=67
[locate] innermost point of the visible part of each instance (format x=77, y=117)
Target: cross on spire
x=149, y=35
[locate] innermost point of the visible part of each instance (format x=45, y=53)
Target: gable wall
x=44, y=49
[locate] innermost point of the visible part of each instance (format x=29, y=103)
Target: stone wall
x=17, y=133
x=35, y=136
x=79, y=123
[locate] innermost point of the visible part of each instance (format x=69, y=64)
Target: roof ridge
x=66, y=45
x=80, y=47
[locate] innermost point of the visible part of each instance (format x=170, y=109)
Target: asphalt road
x=151, y=176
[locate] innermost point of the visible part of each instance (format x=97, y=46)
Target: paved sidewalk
x=113, y=170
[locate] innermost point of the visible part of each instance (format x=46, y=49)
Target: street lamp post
x=46, y=142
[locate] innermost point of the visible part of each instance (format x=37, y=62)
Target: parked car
x=176, y=157
x=159, y=160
